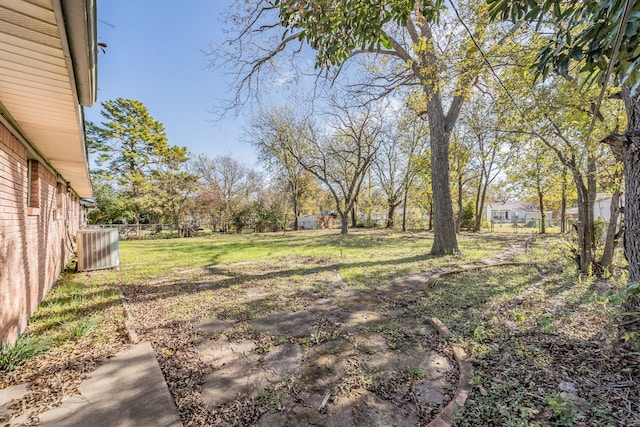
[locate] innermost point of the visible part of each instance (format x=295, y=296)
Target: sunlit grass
x=463, y=301
x=79, y=305
x=366, y=257
x=71, y=310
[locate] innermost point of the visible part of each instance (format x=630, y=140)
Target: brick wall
x=37, y=216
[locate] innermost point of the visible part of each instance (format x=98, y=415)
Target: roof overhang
x=47, y=73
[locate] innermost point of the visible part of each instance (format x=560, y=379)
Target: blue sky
x=154, y=54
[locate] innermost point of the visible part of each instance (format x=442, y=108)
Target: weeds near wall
x=27, y=346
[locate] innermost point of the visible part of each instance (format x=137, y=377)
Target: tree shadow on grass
x=238, y=277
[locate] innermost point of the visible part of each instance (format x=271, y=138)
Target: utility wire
x=486, y=60
x=614, y=53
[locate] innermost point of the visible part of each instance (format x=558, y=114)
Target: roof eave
x=80, y=25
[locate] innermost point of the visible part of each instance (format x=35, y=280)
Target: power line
x=614, y=54
x=485, y=59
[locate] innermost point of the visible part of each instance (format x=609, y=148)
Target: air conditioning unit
x=98, y=249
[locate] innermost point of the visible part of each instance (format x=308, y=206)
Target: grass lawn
x=544, y=344
x=391, y=254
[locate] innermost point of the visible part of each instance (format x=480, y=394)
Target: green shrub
x=629, y=301
x=468, y=215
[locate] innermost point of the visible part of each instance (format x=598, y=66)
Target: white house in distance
x=513, y=212
x=601, y=208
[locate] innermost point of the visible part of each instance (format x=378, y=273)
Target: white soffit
x=37, y=89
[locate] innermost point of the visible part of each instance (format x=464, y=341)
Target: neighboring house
x=513, y=211
x=47, y=73
x=315, y=222
x=601, y=208
x=506, y=211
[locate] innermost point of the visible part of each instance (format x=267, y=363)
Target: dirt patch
x=345, y=359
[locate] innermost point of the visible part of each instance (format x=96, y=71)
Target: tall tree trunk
x=585, y=222
x=480, y=204
x=296, y=208
x=611, y=242
x=478, y=214
x=404, y=208
x=390, y=212
x=632, y=205
x=543, y=215
x=632, y=185
x=627, y=149
x=444, y=238
x=460, y=207
x=353, y=216
x=430, y=216
x=563, y=203
x=591, y=192
x=344, y=222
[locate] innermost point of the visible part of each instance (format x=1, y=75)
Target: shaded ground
x=343, y=360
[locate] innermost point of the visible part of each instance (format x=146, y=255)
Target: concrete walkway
x=128, y=390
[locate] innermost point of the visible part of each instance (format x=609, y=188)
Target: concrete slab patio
x=128, y=390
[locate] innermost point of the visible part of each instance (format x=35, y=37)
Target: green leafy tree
x=556, y=115
x=111, y=205
x=129, y=144
x=172, y=188
x=414, y=44
x=598, y=38
x=468, y=215
x=536, y=172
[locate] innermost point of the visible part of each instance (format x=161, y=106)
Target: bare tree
x=229, y=180
x=340, y=154
x=395, y=164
